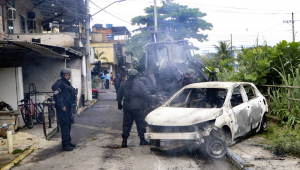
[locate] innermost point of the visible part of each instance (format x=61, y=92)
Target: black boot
x=72, y=145
x=124, y=142
x=143, y=141
x=67, y=148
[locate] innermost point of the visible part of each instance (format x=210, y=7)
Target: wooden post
x=269, y=100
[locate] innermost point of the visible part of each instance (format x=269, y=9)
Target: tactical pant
x=133, y=115
x=64, y=120
x=117, y=89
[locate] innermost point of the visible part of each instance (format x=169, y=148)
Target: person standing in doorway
x=102, y=77
x=117, y=82
x=111, y=78
x=135, y=95
x=64, y=97
x=107, y=78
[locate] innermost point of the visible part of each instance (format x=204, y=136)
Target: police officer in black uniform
x=135, y=95
x=189, y=77
x=64, y=96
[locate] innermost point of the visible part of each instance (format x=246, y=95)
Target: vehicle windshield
x=180, y=53
x=199, y=98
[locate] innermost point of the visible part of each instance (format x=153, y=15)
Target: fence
x=288, y=87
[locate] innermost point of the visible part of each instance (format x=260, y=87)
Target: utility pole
x=231, y=41
x=155, y=17
x=88, y=50
x=293, y=27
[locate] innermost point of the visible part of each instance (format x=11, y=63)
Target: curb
x=52, y=133
x=85, y=107
x=237, y=161
x=18, y=159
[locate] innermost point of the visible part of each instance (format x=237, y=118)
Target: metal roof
x=122, y=30
x=71, y=11
x=17, y=46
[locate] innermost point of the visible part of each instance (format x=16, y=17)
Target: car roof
x=215, y=84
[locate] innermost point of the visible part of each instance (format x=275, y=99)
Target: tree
x=98, y=55
x=224, y=50
x=181, y=21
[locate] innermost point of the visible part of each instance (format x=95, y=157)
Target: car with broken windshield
x=209, y=115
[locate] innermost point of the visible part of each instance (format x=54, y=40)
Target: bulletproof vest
x=69, y=93
x=117, y=81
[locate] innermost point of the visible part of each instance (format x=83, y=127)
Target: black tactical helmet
x=190, y=71
x=133, y=72
x=65, y=71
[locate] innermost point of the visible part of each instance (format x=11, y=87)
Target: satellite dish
x=31, y=15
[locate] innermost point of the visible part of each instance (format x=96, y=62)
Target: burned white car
x=211, y=115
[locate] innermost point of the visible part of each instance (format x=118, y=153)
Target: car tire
x=264, y=124
x=215, y=148
x=153, y=144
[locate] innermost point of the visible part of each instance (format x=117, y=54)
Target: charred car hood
x=168, y=116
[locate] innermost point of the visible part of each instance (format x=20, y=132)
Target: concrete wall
x=10, y=91
x=56, y=39
x=42, y=73
x=108, y=48
x=76, y=82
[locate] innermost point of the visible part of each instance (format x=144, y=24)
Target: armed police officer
x=189, y=77
x=135, y=95
x=65, y=97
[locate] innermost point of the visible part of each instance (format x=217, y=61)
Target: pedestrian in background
x=135, y=95
x=107, y=78
x=111, y=78
x=64, y=97
x=117, y=82
x=102, y=77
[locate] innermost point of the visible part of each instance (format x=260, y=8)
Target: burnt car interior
x=200, y=98
x=236, y=98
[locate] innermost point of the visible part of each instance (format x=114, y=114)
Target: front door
x=240, y=110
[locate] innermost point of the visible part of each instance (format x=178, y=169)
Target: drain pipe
x=9, y=137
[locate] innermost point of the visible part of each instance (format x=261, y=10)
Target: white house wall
x=8, y=87
x=22, y=8
x=76, y=81
x=42, y=73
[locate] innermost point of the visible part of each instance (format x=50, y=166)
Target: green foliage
x=283, y=140
x=224, y=50
x=182, y=22
x=95, y=83
x=16, y=151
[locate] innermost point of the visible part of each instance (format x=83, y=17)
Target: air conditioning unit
x=11, y=14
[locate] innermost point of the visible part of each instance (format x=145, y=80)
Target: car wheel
x=215, y=148
x=264, y=124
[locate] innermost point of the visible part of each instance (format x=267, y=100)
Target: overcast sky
x=246, y=20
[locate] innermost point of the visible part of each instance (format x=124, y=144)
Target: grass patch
x=283, y=140
x=16, y=151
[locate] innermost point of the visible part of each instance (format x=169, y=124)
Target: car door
x=240, y=110
x=254, y=102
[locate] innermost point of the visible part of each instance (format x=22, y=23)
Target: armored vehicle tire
x=215, y=148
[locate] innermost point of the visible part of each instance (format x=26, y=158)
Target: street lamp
x=107, y=6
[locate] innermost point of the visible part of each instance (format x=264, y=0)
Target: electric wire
x=109, y=13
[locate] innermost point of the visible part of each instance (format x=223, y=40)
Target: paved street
x=98, y=138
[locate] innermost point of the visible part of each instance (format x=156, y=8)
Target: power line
x=109, y=13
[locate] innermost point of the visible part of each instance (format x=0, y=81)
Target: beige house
x=111, y=42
